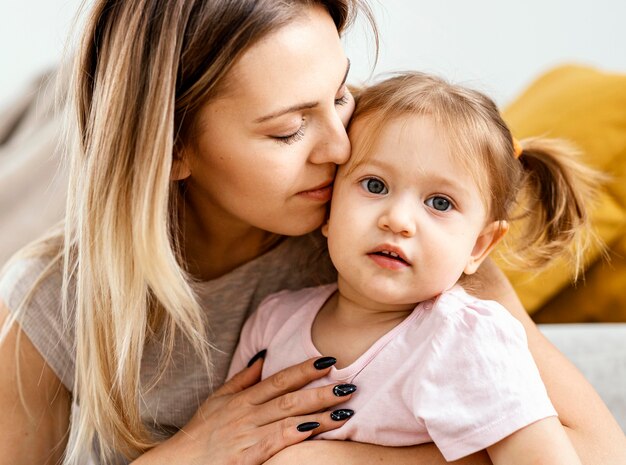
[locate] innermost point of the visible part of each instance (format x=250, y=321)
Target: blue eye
x=374, y=186
x=439, y=203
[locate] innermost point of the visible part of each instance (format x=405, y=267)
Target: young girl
x=433, y=182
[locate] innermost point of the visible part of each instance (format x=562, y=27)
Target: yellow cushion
x=601, y=298
x=588, y=107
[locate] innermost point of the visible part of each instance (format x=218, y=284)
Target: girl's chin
x=385, y=296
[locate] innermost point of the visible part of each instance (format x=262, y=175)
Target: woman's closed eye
x=439, y=203
x=293, y=137
x=345, y=96
x=374, y=185
x=342, y=100
x=299, y=134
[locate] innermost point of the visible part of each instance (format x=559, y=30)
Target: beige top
x=295, y=263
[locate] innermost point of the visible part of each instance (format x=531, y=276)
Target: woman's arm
x=593, y=431
x=543, y=442
x=353, y=453
x=35, y=434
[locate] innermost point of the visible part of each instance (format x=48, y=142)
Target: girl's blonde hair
x=143, y=71
x=547, y=187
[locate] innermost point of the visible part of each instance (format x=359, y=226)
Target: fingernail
x=256, y=357
x=308, y=426
x=344, y=389
x=324, y=362
x=341, y=414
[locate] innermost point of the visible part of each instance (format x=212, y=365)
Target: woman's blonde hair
x=143, y=71
x=546, y=187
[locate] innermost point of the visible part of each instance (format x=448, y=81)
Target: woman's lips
x=321, y=193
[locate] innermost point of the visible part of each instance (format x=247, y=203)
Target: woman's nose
x=334, y=145
x=399, y=218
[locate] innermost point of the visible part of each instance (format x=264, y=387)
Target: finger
x=290, y=379
x=293, y=430
x=317, y=422
x=278, y=436
x=331, y=420
x=247, y=377
x=303, y=402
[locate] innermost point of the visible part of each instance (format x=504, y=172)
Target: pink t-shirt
x=457, y=371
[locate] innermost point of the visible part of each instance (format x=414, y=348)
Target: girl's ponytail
x=556, y=192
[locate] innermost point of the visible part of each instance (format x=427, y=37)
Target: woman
x=207, y=132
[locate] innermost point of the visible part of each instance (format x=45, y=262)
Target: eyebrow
x=300, y=106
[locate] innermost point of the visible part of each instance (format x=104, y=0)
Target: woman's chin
x=301, y=226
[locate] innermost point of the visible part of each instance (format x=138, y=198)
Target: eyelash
x=299, y=134
x=342, y=100
x=291, y=138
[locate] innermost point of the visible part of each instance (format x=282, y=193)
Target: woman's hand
x=247, y=422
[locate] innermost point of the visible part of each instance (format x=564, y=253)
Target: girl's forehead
x=372, y=133
x=377, y=135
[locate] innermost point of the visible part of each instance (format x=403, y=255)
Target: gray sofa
x=599, y=352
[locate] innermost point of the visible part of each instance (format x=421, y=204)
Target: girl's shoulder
x=457, y=315
x=456, y=305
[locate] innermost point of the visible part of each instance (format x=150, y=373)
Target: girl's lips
x=391, y=251
x=388, y=262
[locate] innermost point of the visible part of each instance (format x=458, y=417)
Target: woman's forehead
x=303, y=60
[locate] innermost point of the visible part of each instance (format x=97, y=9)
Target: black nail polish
x=256, y=357
x=324, y=362
x=344, y=389
x=308, y=426
x=341, y=414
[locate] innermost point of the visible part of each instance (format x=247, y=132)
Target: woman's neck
x=215, y=243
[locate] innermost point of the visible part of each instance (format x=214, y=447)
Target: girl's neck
x=346, y=328
x=362, y=313
x=215, y=243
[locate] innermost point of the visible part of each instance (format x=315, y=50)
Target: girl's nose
x=399, y=218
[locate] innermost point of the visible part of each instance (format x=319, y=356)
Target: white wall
x=32, y=38
x=498, y=46
x=495, y=45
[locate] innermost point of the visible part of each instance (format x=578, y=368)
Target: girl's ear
x=487, y=240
